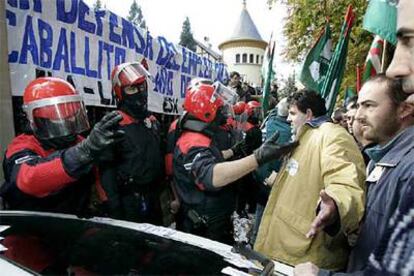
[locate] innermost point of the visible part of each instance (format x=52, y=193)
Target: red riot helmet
x=239, y=108
x=253, y=108
x=130, y=77
x=54, y=108
x=203, y=99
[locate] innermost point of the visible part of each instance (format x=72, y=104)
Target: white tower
x=243, y=51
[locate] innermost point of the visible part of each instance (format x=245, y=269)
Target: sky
x=215, y=19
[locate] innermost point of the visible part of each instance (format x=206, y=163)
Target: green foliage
x=186, y=37
x=136, y=17
x=306, y=20
x=97, y=6
x=289, y=87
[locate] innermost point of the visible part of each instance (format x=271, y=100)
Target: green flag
x=336, y=69
x=349, y=94
x=381, y=19
x=317, y=61
x=267, y=73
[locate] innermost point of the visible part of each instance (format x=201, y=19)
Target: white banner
x=64, y=38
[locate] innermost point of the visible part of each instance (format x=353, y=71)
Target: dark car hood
x=50, y=243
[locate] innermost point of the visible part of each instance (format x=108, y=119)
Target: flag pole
x=358, y=78
x=336, y=69
x=384, y=56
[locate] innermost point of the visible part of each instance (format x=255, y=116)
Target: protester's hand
x=239, y=149
x=271, y=150
x=328, y=214
x=306, y=269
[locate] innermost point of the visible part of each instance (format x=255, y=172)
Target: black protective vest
x=138, y=157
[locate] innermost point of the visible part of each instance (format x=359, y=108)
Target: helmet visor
x=241, y=121
x=257, y=113
x=227, y=111
x=130, y=73
x=228, y=96
x=58, y=118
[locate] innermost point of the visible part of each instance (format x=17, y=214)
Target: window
x=237, y=58
x=257, y=59
x=251, y=59
x=262, y=60
x=244, y=59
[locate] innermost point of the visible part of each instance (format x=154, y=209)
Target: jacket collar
x=314, y=123
x=392, y=153
x=318, y=121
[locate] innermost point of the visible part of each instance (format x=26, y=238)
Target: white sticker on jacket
x=292, y=167
x=376, y=173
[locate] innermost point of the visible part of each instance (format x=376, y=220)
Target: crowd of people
x=329, y=194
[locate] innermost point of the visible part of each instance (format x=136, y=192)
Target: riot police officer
x=51, y=169
x=132, y=171
x=200, y=170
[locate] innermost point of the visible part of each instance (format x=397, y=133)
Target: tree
x=186, y=37
x=307, y=18
x=289, y=88
x=97, y=6
x=136, y=17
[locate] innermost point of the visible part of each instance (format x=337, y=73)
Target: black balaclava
x=59, y=143
x=135, y=105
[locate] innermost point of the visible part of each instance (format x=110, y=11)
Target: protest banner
x=67, y=39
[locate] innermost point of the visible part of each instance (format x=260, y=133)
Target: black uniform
x=44, y=179
x=132, y=172
x=224, y=137
x=248, y=186
x=205, y=210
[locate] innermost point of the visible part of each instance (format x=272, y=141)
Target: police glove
x=239, y=149
x=103, y=134
x=271, y=150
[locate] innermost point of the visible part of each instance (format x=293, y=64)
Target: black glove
x=103, y=134
x=239, y=149
x=271, y=150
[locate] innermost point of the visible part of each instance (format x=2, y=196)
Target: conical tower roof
x=245, y=28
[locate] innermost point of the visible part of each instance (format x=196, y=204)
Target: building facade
x=244, y=50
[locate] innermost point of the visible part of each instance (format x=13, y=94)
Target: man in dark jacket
x=132, y=172
x=200, y=170
x=236, y=85
x=51, y=169
x=249, y=186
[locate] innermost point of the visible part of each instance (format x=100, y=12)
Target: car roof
x=80, y=239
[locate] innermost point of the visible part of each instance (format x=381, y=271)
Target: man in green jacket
x=317, y=200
